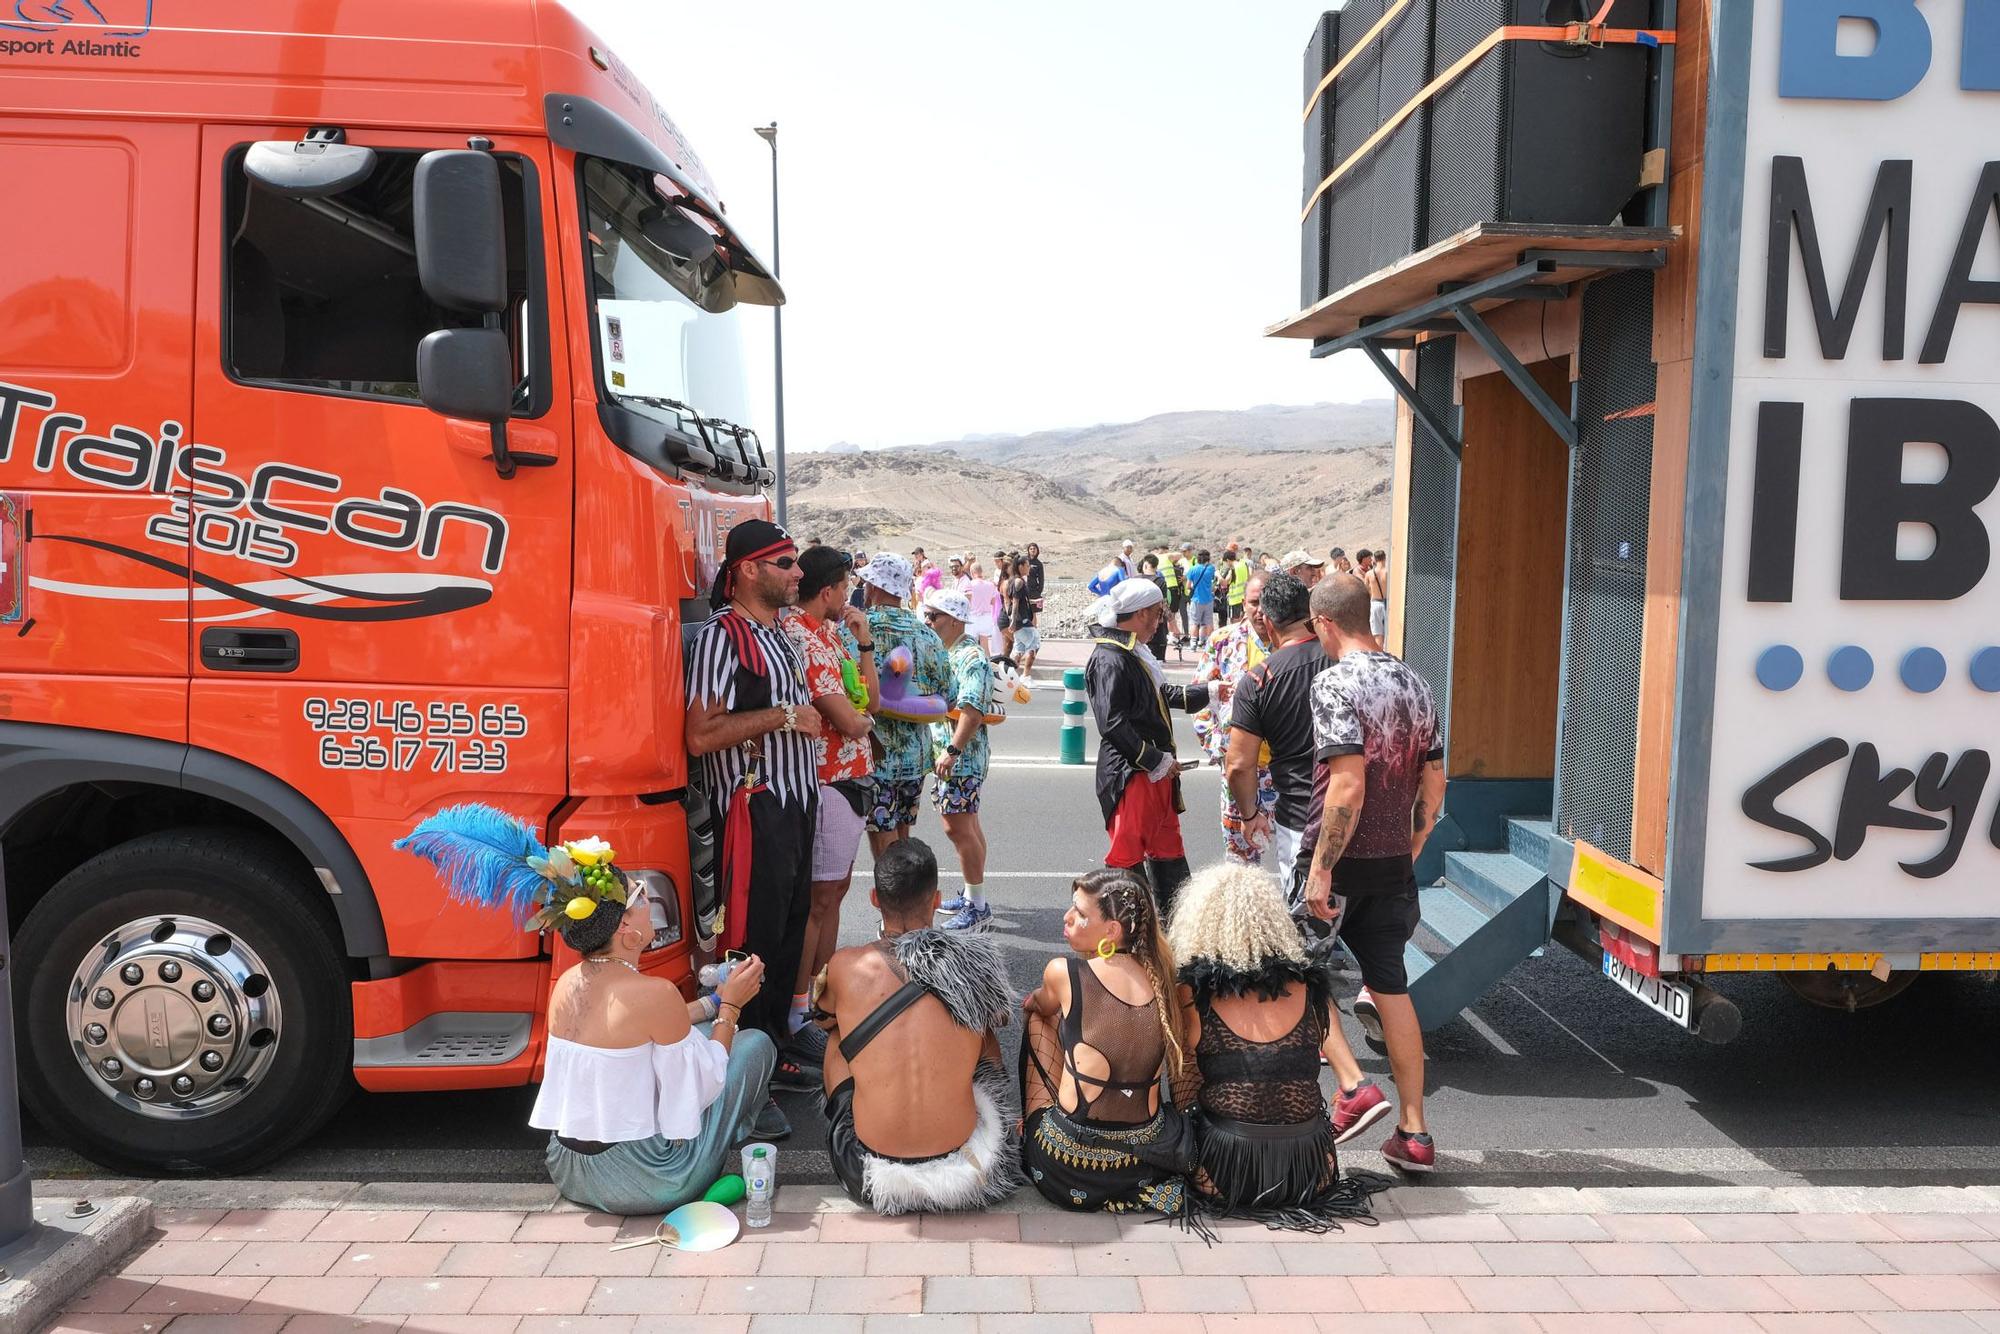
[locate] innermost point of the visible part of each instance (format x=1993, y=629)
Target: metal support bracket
x=1559, y=421
x=1523, y=273
x=1454, y=308
x=1408, y=393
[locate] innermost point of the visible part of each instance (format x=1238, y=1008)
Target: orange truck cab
x=369, y=403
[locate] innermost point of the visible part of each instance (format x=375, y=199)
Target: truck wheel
x=1847, y=991
x=186, y=1011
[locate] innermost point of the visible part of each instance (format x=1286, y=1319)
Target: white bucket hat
x=888, y=572
x=950, y=604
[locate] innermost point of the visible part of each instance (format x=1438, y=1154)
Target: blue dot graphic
x=1985, y=669
x=1850, y=667
x=1923, y=670
x=1779, y=667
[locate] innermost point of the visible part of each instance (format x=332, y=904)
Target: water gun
x=850, y=680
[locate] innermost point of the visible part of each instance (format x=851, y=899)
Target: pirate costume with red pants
x=766, y=791
x=1138, y=777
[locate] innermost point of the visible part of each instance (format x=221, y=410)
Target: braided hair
x=1125, y=899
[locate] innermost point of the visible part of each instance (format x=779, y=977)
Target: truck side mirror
x=461, y=231
x=466, y=373
x=461, y=244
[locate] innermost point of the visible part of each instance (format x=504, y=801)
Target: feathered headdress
x=489, y=859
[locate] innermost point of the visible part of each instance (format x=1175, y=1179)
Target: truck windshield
x=662, y=351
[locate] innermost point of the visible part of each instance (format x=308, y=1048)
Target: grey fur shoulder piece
x=963, y=970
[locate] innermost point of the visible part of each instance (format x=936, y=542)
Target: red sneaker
x=1354, y=1112
x=1412, y=1153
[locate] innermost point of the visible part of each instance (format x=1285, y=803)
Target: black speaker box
x=1535, y=131
x=1397, y=181
x=1321, y=53
x=1350, y=245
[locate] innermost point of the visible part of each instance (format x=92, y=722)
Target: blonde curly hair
x=1235, y=915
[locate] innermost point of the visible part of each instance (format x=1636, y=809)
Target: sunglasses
x=782, y=562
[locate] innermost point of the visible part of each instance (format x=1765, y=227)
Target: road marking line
x=1481, y=1027
x=1565, y=1028
x=1087, y=767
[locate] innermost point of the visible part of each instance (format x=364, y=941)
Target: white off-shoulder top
x=614, y=1094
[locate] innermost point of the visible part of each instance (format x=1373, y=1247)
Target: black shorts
x=1377, y=898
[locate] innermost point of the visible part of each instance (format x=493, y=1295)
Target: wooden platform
x=1477, y=252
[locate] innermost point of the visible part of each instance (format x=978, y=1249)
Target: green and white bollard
x=1075, y=709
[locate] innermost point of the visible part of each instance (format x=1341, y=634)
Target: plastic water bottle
x=761, y=1183
x=713, y=975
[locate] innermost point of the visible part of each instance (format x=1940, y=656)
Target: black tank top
x=1262, y=1083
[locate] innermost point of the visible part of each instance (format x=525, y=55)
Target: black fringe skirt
x=1285, y=1176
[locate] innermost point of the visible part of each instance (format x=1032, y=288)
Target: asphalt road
x=1554, y=1078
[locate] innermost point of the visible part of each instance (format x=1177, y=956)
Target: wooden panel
x=1532, y=330
x=1674, y=328
x=1477, y=252
x=1399, y=508
x=1690, y=86
x=1507, y=628
x=1660, y=639
x=1673, y=291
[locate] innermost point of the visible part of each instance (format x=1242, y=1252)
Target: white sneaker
x=1367, y=1015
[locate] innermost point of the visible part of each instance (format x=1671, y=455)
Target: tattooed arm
x=1346, y=784
x=1430, y=805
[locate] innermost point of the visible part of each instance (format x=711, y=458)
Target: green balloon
x=727, y=1190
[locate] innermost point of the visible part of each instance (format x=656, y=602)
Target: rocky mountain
x=1272, y=477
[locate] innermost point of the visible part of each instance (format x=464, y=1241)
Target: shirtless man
x=918, y=1108
x=1375, y=574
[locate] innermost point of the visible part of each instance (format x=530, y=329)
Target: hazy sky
x=1004, y=217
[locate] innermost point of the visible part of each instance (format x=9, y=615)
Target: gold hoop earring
x=1106, y=948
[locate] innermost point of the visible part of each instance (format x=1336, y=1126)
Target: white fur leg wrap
x=984, y=1171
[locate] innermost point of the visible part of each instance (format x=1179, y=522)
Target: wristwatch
x=953, y=751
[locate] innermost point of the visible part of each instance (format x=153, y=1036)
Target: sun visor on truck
x=585, y=126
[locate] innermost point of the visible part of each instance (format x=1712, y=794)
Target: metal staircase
x=1490, y=911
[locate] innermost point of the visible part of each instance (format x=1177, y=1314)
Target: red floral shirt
x=820, y=647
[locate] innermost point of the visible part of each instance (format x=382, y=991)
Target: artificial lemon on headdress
x=490, y=859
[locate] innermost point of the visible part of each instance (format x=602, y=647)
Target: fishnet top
x=1264, y=1083
x=1127, y=1036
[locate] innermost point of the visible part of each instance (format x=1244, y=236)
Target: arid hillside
x=1256, y=476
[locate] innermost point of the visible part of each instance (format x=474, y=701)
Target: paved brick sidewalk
x=1603, y=1261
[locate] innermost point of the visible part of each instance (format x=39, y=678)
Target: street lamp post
x=769, y=134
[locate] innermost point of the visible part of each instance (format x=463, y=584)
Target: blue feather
x=482, y=854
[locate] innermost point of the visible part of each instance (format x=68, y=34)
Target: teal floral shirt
x=906, y=747
x=971, y=687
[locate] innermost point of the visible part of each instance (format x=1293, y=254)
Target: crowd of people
x=1170, y=1057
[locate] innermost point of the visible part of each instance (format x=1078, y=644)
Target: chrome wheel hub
x=173, y=1017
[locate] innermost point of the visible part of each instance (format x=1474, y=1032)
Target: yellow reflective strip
x=1624, y=894
x=1963, y=961
x=1791, y=963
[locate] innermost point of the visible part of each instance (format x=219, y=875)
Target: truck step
x=452, y=1038
x=1494, y=879
x=1450, y=917
x=1530, y=840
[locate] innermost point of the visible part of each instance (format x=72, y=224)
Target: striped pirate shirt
x=749, y=667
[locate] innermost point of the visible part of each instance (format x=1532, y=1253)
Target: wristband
x=791, y=718
x=865, y=648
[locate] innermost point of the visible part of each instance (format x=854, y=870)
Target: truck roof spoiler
x=584, y=125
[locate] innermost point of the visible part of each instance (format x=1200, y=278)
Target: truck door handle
x=229, y=650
